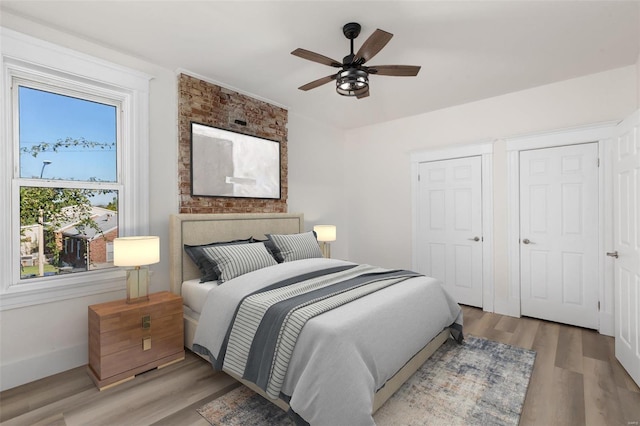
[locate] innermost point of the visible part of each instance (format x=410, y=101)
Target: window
x=74, y=169
x=68, y=178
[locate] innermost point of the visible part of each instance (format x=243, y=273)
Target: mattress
x=194, y=294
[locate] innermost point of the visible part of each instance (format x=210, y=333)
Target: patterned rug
x=480, y=382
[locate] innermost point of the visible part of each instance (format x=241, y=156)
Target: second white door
x=559, y=234
x=626, y=207
x=449, y=240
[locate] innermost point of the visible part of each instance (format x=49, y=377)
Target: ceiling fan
x=353, y=78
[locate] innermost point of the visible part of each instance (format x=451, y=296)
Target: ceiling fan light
x=351, y=82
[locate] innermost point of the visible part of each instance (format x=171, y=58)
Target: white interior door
x=626, y=213
x=449, y=241
x=559, y=234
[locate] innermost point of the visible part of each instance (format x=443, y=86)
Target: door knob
x=526, y=241
x=474, y=239
x=613, y=254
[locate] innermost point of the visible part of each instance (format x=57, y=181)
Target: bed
x=332, y=346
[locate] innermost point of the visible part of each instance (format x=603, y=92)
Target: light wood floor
x=576, y=380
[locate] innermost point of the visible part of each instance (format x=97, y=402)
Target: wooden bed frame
x=206, y=228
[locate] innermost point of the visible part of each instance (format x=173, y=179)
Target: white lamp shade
x=136, y=251
x=325, y=233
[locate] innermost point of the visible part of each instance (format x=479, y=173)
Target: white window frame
x=28, y=58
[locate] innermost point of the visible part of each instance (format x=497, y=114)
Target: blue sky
x=48, y=117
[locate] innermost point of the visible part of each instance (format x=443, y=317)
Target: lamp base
x=325, y=248
x=138, y=284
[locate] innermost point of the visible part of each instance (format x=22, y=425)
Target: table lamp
x=325, y=234
x=136, y=252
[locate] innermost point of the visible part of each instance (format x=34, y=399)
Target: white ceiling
x=468, y=50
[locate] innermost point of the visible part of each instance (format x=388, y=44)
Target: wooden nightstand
x=129, y=339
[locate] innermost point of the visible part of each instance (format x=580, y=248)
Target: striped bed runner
x=267, y=324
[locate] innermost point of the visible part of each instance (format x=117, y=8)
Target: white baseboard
x=511, y=308
x=31, y=369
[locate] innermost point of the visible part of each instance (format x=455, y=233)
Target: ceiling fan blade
x=364, y=94
x=395, y=70
x=318, y=82
x=316, y=57
x=372, y=45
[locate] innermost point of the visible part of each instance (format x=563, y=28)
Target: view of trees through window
x=68, y=181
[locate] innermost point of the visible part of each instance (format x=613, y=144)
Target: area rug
x=480, y=382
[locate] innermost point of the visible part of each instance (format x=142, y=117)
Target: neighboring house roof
x=106, y=223
x=74, y=217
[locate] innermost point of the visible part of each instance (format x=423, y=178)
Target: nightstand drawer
x=128, y=339
x=112, y=316
x=121, y=361
x=122, y=339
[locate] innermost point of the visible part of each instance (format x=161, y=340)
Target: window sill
x=56, y=289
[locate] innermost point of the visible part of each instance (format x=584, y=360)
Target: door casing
x=602, y=134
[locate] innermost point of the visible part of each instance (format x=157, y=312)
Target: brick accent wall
x=209, y=104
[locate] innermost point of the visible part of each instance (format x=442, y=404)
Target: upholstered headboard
x=206, y=228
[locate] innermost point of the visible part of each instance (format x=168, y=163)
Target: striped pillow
x=231, y=261
x=290, y=247
x=207, y=272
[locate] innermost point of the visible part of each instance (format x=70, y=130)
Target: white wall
x=45, y=339
x=638, y=79
x=377, y=174
x=316, y=177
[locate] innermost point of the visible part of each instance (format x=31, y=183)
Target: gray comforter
x=343, y=356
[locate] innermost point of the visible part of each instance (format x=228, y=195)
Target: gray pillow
x=290, y=247
x=207, y=272
x=230, y=261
